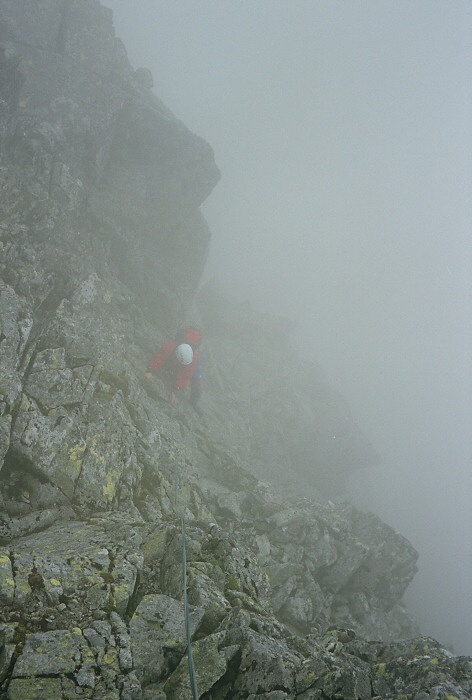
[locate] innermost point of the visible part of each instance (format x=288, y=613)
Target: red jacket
x=179, y=375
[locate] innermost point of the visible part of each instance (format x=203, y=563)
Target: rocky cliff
x=102, y=247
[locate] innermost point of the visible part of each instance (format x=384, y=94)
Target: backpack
x=189, y=335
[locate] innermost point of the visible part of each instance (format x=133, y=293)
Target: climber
x=180, y=364
x=193, y=336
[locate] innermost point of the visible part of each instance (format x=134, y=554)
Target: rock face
x=102, y=246
x=287, y=424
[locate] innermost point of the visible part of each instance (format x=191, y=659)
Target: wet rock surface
x=102, y=245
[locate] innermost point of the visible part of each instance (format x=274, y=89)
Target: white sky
x=343, y=131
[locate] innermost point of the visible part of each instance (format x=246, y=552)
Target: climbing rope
x=191, y=671
x=177, y=485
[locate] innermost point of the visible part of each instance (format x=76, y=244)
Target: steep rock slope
x=102, y=248
x=287, y=424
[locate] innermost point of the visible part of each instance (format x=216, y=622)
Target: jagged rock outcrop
x=287, y=424
x=101, y=251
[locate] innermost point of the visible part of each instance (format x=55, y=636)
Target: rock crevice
x=102, y=247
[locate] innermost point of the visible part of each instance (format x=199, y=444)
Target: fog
x=343, y=132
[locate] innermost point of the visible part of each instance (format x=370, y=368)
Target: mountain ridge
x=102, y=251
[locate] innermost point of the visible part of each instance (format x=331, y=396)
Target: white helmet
x=184, y=354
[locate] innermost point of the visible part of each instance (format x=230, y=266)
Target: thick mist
x=343, y=131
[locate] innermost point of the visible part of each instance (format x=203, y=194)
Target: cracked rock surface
x=291, y=592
